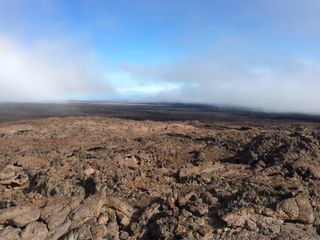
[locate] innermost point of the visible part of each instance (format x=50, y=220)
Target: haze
x=257, y=54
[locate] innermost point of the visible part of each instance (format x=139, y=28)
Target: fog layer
x=47, y=71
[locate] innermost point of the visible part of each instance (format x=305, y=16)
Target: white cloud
x=282, y=86
x=47, y=71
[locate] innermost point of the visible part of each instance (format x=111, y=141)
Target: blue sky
x=252, y=53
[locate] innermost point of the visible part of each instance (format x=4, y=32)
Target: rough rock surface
x=105, y=178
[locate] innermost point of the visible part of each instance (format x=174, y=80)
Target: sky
x=260, y=54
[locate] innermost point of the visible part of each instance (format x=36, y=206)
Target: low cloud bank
x=47, y=71
x=287, y=85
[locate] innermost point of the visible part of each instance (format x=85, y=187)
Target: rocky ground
x=107, y=178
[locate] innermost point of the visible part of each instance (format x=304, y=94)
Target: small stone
x=219, y=231
x=171, y=200
x=251, y=225
x=268, y=212
x=88, y=171
x=186, y=213
x=123, y=235
x=207, y=178
x=262, y=164
x=103, y=218
x=134, y=227
x=180, y=230
x=234, y=220
x=200, y=209
x=98, y=232
x=203, y=231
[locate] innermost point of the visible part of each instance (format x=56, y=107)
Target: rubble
x=104, y=178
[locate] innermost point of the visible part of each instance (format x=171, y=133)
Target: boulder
x=19, y=216
x=123, y=209
x=34, y=231
x=59, y=231
x=305, y=209
x=13, y=176
x=89, y=208
x=10, y=233
x=288, y=209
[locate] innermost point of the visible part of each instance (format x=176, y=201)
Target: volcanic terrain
x=105, y=177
